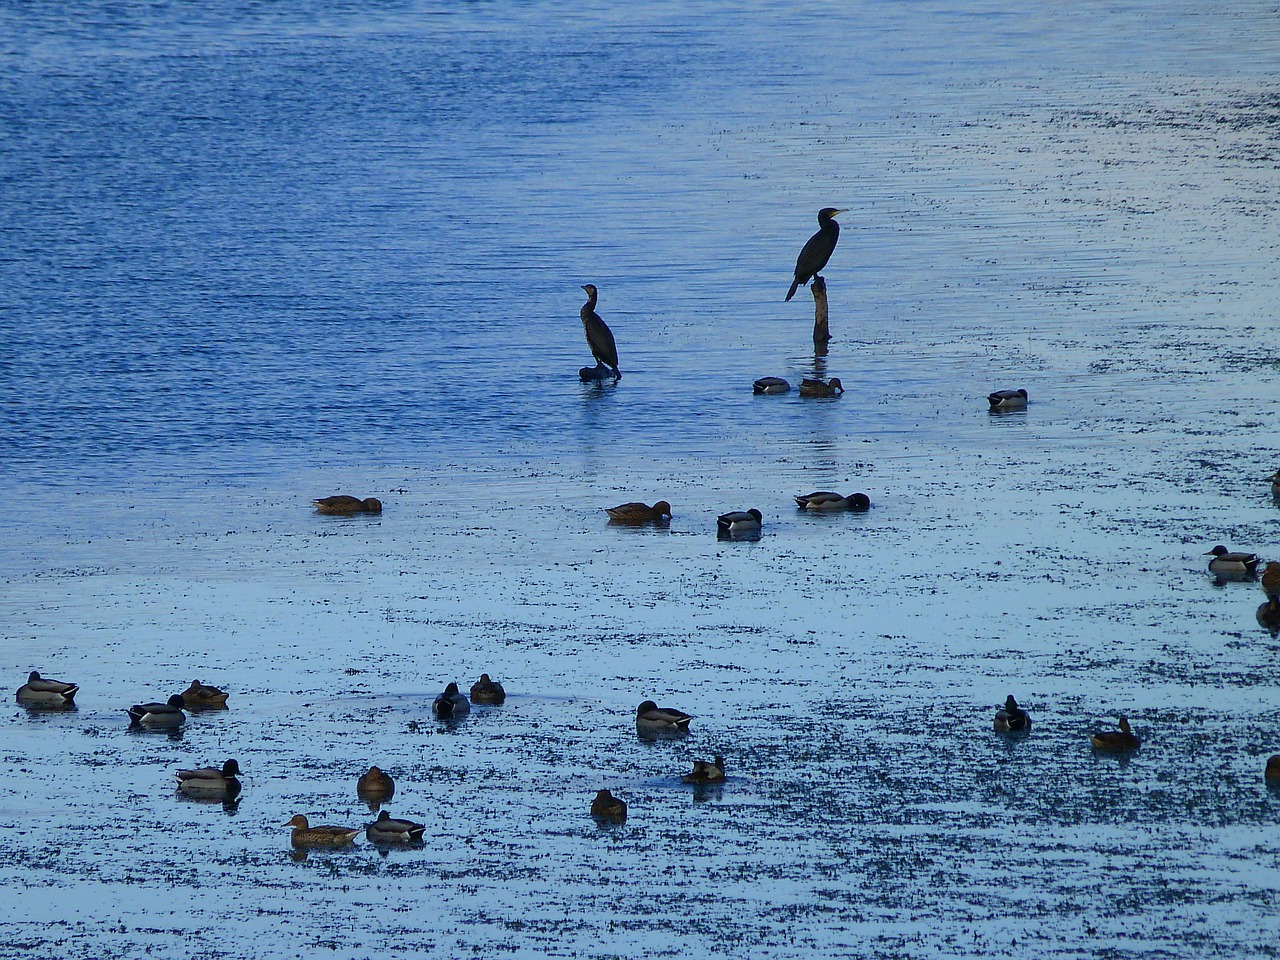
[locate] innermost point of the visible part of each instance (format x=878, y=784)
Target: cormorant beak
x=838, y=212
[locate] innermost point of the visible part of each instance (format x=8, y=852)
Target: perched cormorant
x=599, y=336
x=818, y=250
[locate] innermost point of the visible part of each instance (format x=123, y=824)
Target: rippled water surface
x=251, y=255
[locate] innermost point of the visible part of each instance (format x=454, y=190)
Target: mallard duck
x=740, y=521
x=1115, y=741
x=1007, y=399
x=387, y=829
x=158, y=714
x=1011, y=718
x=342, y=504
x=451, y=704
x=705, y=771
x=1268, y=615
x=821, y=388
x=487, y=691
x=608, y=807
x=634, y=514
x=826, y=500
x=1271, y=580
x=771, y=385
x=41, y=690
x=201, y=696
x=1227, y=563
x=651, y=717
x=1273, y=768
x=210, y=781
x=326, y=835
x=375, y=785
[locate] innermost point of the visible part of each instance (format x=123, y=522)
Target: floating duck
x=1011, y=718
x=343, y=505
x=1008, y=399
x=305, y=835
x=608, y=807
x=771, y=385
x=387, y=829
x=1275, y=483
x=826, y=500
x=41, y=691
x=1271, y=580
x=1268, y=615
x=654, y=719
x=740, y=521
x=821, y=388
x=705, y=771
x=487, y=691
x=158, y=714
x=1226, y=563
x=451, y=704
x=1115, y=741
x=1273, y=768
x=634, y=514
x=211, y=781
x=375, y=785
x=201, y=696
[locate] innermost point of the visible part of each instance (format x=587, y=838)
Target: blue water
x=252, y=254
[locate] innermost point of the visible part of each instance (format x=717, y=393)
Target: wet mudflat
x=1037, y=205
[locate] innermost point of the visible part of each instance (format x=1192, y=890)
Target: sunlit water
x=253, y=255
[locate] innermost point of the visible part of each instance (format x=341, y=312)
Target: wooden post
x=821, y=331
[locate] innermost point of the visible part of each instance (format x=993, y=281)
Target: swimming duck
x=1271, y=580
x=1011, y=718
x=158, y=714
x=375, y=785
x=821, y=388
x=487, y=691
x=343, y=505
x=1228, y=563
x=740, y=521
x=210, y=781
x=608, y=807
x=652, y=718
x=451, y=704
x=41, y=690
x=826, y=500
x=1007, y=399
x=634, y=514
x=1275, y=483
x=305, y=835
x=771, y=385
x=387, y=829
x=1268, y=615
x=1115, y=741
x=705, y=771
x=1273, y=768
x=201, y=696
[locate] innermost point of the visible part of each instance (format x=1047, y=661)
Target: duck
x=770, y=385
x=387, y=829
x=1238, y=564
x=44, y=691
x=343, y=505
x=158, y=714
x=1272, y=772
x=1011, y=718
x=210, y=781
x=826, y=500
x=705, y=771
x=487, y=691
x=1268, y=616
x=634, y=514
x=652, y=718
x=821, y=388
x=1275, y=483
x=1007, y=399
x=451, y=704
x=606, y=806
x=326, y=835
x=740, y=521
x=1271, y=580
x=201, y=696
x=1115, y=741
x=375, y=785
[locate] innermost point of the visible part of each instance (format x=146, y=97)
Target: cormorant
x=818, y=250
x=599, y=336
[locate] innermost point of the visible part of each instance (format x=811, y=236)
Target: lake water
x=255, y=254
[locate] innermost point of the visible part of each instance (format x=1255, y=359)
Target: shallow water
x=252, y=256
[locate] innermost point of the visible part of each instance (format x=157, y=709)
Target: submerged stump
x=821, y=330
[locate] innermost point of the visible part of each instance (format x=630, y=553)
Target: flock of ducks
x=737, y=524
